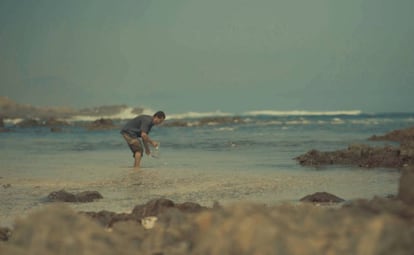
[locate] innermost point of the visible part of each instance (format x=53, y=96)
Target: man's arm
x=146, y=140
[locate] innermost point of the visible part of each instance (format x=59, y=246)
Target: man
x=138, y=129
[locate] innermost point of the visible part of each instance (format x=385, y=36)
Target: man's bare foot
x=133, y=170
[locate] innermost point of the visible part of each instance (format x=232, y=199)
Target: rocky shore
x=367, y=156
x=13, y=110
x=376, y=226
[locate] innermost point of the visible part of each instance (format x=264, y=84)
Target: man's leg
x=136, y=148
x=137, y=160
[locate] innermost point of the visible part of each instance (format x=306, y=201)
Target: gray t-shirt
x=142, y=123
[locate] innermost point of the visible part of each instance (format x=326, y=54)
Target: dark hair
x=159, y=115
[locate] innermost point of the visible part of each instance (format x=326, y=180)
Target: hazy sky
x=208, y=55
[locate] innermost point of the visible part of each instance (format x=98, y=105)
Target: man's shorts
x=133, y=143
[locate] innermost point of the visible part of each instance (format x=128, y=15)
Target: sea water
x=225, y=162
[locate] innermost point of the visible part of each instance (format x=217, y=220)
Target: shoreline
x=360, y=226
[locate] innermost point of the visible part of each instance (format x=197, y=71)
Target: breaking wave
x=195, y=115
x=301, y=113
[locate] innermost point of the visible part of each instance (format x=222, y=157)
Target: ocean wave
x=122, y=114
x=301, y=113
x=195, y=115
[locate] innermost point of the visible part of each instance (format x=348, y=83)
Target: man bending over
x=135, y=133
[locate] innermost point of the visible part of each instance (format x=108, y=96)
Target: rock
x=6, y=186
x=58, y=229
x=406, y=187
x=54, y=123
x=88, y=196
x=101, y=124
x=5, y=233
x=83, y=197
x=61, y=196
x=153, y=207
x=381, y=226
x=177, y=123
x=157, y=206
x=358, y=155
x=322, y=197
x=107, y=218
x=28, y=123
x=190, y=207
x=400, y=135
x=366, y=156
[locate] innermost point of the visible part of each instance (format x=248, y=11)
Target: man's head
x=158, y=117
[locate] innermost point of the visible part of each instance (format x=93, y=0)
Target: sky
x=198, y=55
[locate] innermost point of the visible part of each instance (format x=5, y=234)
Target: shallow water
x=224, y=163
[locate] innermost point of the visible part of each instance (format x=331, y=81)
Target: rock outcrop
x=322, y=197
x=102, y=124
x=82, y=197
x=367, y=156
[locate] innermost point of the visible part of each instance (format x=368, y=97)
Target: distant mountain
x=11, y=109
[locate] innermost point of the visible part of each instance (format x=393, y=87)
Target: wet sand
x=126, y=188
x=377, y=226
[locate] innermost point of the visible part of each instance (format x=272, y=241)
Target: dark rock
x=6, y=186
x=153, y=207
x=83, y=197
x=176, y=123
x=61, y=196
x=88, y=196
x=380, y=226
x=322, y=197
x=5, y=233
x=57, y=229
x=190, y=207
x=158, y=206
x=52, y=122
x=366, y=156
x=400, y=135
x=107, y=218
x=28, y=123
x=359, y=155
x=101, y=124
